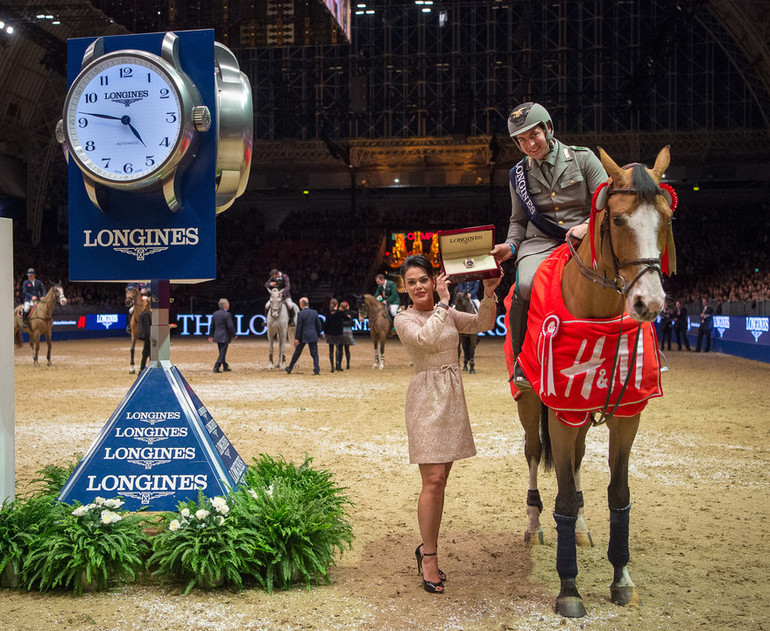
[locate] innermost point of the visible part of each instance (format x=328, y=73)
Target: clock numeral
x=149, y=161
x=128, y=168
x=90, y=146
x=164, y=142
x=171, y=117
x=106, y=162
x=149, y=77
x=90, y=97
x=164, y=93
x=82, y=122
x=126, y=72
x=104, y=80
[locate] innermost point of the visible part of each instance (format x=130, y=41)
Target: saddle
x=569, y=361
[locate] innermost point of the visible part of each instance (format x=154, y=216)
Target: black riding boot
x=517, y=325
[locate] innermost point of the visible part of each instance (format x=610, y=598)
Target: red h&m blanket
x=569, y=361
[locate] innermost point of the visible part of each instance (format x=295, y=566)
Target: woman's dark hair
x=417, y=260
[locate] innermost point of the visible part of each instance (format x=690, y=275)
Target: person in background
x=387, y=294
x=437, y=424
x=681, y=324
x=704, y=332
x=222, y=332
x=308, y=331
x=335, y=334
x=551, y=193
x=32, y=290
x=279, y=280
x=348, y=339
x=666, y=326
x=144, y=329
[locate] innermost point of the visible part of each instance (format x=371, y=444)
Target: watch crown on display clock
x=201, y=118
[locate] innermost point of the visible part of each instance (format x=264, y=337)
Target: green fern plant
x=20, y=521
x=206, y=544
x=300, y=513
x=53, y=477
x=86, y=548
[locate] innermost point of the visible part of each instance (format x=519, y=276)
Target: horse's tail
x=546, y=456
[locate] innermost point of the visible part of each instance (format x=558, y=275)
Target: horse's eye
x=619, y=221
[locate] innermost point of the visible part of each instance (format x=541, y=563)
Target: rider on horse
x=387, y=294
x=32, y=290
x=279, y=280
x=551, y=191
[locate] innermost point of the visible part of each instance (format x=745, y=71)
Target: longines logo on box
x=140, y=242
x=757, y=326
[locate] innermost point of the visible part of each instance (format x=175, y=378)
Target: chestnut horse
x=613, y=279
x=40, y=321
x=379, y=327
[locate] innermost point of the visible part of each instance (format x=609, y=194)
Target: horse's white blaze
x=644, y=223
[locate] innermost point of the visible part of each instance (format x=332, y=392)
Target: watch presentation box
x=465, y=254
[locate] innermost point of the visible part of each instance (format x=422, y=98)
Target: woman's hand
x=442, y=288
x=490, y=284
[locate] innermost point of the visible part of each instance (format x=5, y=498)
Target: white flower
x=185, y=512
x=113, y=503
x=109, y=517
x=202, y=513
x=220, y=505
x=174, y=525
x=99, y=500
x=253, y=493
x=80, y=511
x=89, y=506
x=221, y=520
x=270, y=490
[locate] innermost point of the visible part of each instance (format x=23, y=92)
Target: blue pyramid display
x=159, y=447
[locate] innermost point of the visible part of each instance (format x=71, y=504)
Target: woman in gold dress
x=437, y=424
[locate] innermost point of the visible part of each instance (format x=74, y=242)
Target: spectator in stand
x=706, y=314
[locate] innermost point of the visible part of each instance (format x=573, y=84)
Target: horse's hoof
x=270, y=367
x=534, y=538
x=472, y=371
x=584, y=540
x=624, y=595
x=570, y=607
x=569, y=602
x=131, y=371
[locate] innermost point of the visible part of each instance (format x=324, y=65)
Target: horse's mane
x=646, y=188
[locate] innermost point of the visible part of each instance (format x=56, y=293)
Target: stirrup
x=520, y=379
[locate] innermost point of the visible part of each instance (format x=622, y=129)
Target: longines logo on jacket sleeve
x=140, y=242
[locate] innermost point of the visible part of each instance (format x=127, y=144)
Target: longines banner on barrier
x=125, y=118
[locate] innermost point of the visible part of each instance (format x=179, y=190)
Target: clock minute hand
x=136, y=133
x=117, y=118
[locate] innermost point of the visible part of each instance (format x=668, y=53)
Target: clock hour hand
x=126, y=120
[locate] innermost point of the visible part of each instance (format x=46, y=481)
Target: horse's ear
x=613, y=170
x=661, y=164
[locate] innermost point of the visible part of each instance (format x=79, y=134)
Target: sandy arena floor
x=700, y=475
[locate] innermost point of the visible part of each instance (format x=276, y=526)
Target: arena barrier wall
x=743, y=336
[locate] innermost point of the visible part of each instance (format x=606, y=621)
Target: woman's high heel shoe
x=429, y=586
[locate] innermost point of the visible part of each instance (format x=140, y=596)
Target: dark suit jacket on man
x=222, y=327
x=308, y=326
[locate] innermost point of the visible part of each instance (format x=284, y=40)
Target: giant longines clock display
x=131, y=119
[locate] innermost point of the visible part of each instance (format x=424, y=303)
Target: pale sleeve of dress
x=471, y=323
x=411, y=332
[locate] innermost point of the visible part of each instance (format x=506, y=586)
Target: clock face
x=123, y=118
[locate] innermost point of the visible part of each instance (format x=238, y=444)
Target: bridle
x=275, y=310
x=618, y=283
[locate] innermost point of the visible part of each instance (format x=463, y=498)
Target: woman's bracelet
x=443, y=305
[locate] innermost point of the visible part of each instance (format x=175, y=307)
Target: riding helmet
x=31, y=270
x=529, y=115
